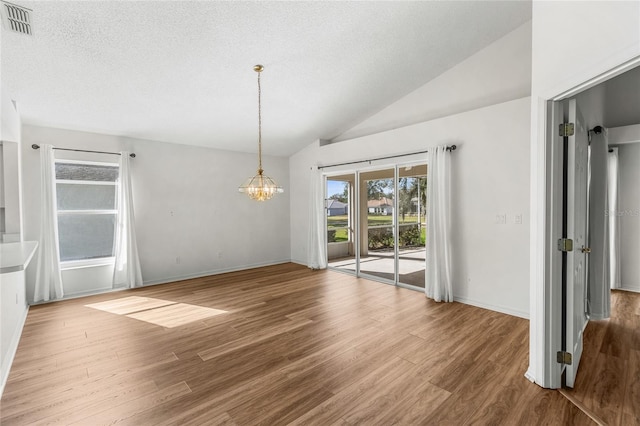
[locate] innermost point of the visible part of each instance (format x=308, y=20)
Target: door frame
x=394, y=224
x=546, y=225
x=410, y=160
x=354, y=211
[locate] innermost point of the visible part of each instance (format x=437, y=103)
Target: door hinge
x=565, y=244
x=564, y=358
x=567, y=129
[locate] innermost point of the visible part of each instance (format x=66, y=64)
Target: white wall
x=629, y=215
x=190, y=219
x=572, y=42
x=498, y=73
x=12, y=194
x=10, y=137
x=490, y=177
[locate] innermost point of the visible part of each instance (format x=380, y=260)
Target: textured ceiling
x=181, y=72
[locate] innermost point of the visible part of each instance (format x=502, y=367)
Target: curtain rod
x=449, y=148
x=132, y=155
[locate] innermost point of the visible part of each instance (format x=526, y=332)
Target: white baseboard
x=529, y=375
x=501, y=309
x=163, y=281
x=213, y=272
x=299, y=262
x=7, y=362
x=635, y=289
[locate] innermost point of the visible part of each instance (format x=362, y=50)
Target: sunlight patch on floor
x=176, y=315
x=164, y=313
x=127, y=305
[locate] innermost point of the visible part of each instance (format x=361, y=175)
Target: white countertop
x=16, y=256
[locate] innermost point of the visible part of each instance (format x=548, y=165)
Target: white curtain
x=317, y=249
x=438, y=285
x=48, y=276
x=614, y=229
x=127, y=264
x=599, y=288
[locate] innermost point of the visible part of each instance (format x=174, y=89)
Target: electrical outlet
x=518, y=219
x=501, y=219
x=219, y=255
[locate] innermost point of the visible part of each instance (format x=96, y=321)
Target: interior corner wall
x=591, y=105
x=490, y=177
x=629, y=215
x=190, y=218
x=10, y=123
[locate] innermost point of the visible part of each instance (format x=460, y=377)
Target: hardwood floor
x=294, y=346
x=608, y=381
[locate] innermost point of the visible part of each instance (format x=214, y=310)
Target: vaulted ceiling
x=181, y=72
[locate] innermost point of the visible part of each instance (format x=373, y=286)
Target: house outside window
x=338, y=211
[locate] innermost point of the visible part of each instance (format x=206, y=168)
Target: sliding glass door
x=376, y=223
x=340, y=211
x=412, y=203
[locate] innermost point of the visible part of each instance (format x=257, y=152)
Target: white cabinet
x=14, y=258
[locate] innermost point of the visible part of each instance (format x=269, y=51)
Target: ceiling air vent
x=16, y=18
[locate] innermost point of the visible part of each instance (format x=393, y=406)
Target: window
x=86, y=202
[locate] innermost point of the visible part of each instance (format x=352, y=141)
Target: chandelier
x=260, y=187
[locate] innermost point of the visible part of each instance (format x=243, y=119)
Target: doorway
x=612, y=125
x=376, y=223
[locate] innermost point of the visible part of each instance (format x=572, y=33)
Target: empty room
x=319, y=212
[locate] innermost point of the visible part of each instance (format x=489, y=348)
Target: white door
x=576, y=230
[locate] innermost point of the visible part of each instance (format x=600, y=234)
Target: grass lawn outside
x=339, y=223
x=372, y=220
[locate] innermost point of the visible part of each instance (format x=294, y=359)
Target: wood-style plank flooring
x=608, y=380
x=294, y=346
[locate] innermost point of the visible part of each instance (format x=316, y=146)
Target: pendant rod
x=259, y=124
